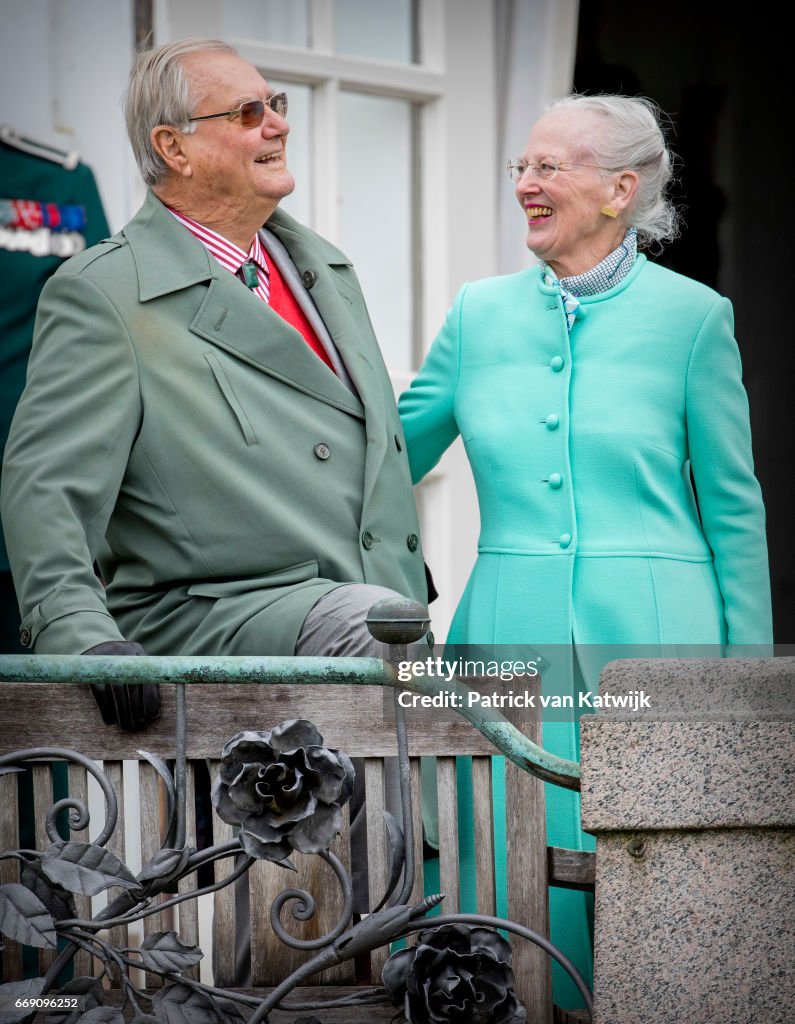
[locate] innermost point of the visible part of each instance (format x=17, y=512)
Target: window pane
x=299, y=146
x=384, y=30
x=270, y=21
x=377, y=214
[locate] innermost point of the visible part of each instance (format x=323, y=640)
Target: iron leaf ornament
x=58, y=901
x=164, y=951
x=24, y=918
x=85, y=868
x=102, y=1015
x=14, y=992
x=179, y=1003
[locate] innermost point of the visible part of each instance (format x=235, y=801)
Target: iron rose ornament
x=284, y=788
x=456, y=974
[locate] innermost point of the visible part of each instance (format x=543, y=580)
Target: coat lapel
x=341, y=308
x=169, y=259
x=233, y=318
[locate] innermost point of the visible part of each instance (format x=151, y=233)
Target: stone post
x=693, y=804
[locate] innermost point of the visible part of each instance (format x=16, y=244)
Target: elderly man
x=207, y=420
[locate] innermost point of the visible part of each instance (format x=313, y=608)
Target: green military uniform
x=29, y=256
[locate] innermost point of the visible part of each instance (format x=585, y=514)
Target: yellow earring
x=608, y=211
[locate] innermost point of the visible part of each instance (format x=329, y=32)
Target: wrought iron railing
x=285, y=791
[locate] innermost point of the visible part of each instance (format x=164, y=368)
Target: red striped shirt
x=229, y=255
x=279, y=298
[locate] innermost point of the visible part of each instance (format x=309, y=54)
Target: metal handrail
x=74, y=669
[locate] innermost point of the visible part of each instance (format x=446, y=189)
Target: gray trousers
x=336, y=628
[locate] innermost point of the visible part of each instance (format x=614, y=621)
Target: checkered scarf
x=605, y=275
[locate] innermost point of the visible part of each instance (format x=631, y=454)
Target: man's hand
x=131, y=706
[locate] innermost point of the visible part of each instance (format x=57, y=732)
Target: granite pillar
x=692, y=800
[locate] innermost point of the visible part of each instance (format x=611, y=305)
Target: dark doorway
x=720, y=76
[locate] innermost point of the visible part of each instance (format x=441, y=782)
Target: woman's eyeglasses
x=545, y=171
x=251, y=113
x=549, y=167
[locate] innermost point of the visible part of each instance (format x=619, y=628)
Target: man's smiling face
x=242, y=168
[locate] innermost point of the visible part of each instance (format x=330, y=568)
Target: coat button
x=25, y=636
x=308, y=277
x=398, y=445
x=564, y=540
x=556, y=363
x=367, y=540
x=552, y=421
x=555, y=481
x=322, y=451
x=412, y=542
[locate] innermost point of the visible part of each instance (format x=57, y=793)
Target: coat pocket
x=228, y=392
x=298, y=573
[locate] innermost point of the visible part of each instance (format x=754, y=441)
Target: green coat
x=181, y=434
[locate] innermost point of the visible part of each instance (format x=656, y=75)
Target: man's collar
x=167, y=257
x=228, y=254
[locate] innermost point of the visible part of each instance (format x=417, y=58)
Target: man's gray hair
x=633, y=140
x=158, y=94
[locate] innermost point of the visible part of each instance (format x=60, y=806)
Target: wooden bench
x=358, y=720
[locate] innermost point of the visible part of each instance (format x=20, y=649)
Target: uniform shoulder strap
x=66, y=160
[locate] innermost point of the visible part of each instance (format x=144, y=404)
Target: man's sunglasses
x=251, y=113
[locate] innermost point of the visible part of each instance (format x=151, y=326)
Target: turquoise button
x=555, y=481
x=552, y=421
x=564, y=540
x=557, y=363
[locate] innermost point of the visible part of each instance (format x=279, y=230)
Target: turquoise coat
x=182, y=434
x=582, y=447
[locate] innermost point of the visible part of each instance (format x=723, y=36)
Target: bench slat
x=223, y=905
x=188, y=912
x=149, y=791
x=11, y=955
x=78, y=788
x=484, y=834
x=116, y=844
x=447, y=796
x=42, y=803
x=528, y=898
x=377, y=849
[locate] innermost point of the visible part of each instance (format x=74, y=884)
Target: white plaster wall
x=63, y=70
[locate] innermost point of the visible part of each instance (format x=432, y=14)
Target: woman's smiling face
x=565, y=224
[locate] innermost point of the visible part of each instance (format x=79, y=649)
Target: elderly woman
x=600, y=400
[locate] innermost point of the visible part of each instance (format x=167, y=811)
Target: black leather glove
x=433, y=593
x=131, y=706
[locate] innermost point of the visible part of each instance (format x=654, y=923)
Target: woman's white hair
x=634, y=140
x=158, y=93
